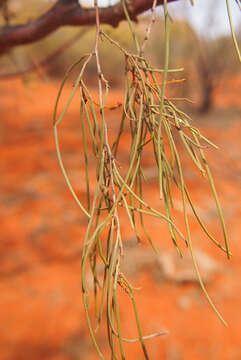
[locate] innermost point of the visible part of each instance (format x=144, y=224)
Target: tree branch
x=68, y=12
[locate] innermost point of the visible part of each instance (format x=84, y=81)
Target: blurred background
x=41, y=313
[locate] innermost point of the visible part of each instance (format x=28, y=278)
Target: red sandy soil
x=41, y=313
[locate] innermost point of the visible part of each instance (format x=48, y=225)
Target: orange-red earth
x=42, y=229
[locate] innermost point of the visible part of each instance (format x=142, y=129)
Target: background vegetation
x=206, y=60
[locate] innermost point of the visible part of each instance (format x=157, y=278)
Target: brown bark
x=67, y=12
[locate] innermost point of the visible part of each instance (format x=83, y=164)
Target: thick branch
x=67, y=12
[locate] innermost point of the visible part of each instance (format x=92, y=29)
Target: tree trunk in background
x=207, y=85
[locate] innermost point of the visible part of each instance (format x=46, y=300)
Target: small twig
x=148, y=29
x=232, y=30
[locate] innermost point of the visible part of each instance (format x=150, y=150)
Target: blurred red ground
x=41, y=314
